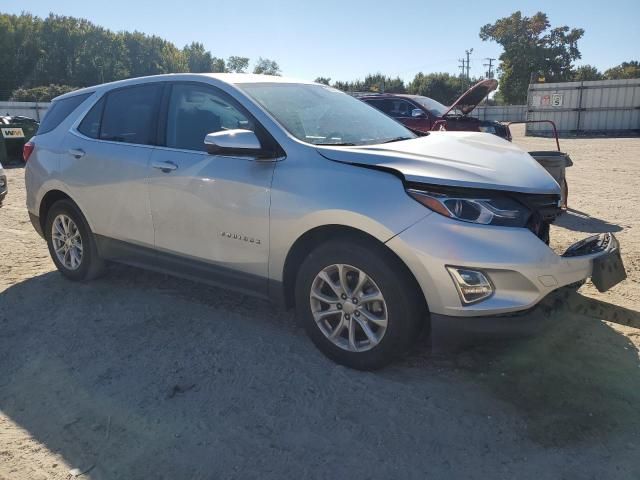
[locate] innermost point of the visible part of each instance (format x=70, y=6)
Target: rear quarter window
x=59, y=110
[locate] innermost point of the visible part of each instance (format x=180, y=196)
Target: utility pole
x=490, y=66
x=461, y=66
x=462, y=74
x=468, y=52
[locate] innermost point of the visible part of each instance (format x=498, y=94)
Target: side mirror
x=233, y=142
x=417, y=113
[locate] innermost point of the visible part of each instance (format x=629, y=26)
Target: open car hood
x=460, y=159
x=472, y=97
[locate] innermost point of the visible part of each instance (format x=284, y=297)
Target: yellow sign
x=12, y=133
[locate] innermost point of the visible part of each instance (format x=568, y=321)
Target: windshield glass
x=436, y=108
x=322, y=115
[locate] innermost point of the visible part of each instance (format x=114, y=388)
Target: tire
x=88, y=265
x=403, y=305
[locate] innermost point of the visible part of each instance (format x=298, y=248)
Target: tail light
x=27, y=150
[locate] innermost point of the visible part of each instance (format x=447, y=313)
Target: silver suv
x=297, y=192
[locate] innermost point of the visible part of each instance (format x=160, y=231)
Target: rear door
x=106, y=163
x=210, y=212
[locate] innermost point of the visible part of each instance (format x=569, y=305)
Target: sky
x=345, y=40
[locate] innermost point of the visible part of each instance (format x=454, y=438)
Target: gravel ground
x=138, y=375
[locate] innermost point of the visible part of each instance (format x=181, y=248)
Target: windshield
x=435, y=108
x=322, y=115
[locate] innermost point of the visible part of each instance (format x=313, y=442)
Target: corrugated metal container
x=505, y=113
x=602, y=107
x=26, y=109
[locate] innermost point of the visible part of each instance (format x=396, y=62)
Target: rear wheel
x=357, y=304
x=71, y=243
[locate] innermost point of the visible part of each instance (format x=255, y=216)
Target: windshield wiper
x=397, y=139
x=338, y=144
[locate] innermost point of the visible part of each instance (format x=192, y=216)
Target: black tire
x=406, y=309
x=91, y=265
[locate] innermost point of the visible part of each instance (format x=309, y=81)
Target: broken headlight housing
x=473, y=206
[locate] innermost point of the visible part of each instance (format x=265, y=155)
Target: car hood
x=472, y=97
x=462, y=159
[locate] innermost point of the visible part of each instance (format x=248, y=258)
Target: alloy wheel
x=348, y=307
x=67, y=242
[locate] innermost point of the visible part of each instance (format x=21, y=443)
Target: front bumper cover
x=522, y=268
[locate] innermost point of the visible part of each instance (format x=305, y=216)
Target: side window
x=130, y=114
x=59, y=110
x=382, y=105
x=197, y=110
x=400, y=108
x=90, y=125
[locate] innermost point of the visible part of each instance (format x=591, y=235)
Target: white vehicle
x=297, y=192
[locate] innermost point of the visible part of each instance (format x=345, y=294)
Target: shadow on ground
x=139, y=375
x=582, y=222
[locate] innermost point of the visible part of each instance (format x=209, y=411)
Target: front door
x=209, y=211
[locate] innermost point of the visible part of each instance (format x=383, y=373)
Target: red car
x=424, y=114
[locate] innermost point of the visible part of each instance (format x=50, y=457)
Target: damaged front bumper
x=521, y=268
x=607, y=267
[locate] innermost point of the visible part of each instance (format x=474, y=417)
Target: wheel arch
x=51, y=197
x=311, y=239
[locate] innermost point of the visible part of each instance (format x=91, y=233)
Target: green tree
x=373, y=82
x=443, y=87
x=101, y=57
x=152, y=55
x=623, y=71
x=324, y=80
x=40, y=94
x=198, y=59
x=237, y=64
x=266, y=67
x=586, y=73
x=531, y=47
x=63, y=50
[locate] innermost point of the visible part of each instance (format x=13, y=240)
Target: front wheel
x=358, y=304
x=71, y=243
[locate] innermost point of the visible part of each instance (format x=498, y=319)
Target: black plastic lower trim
x=181, y=266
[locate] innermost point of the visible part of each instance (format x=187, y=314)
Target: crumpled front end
x=518, y=265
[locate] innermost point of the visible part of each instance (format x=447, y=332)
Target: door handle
x=166, y=167
x=76, y=152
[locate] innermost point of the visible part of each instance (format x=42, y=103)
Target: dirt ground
x=139, y=375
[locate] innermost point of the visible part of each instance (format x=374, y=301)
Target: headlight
x=486, y=208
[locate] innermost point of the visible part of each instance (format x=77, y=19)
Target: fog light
x=473, y=286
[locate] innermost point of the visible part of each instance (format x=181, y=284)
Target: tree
x=266, y=67
x=373, y=82
x=623, y=71
x=443, y=87
x=586, y=73
x=62, y=50
x=40, y=94
x=324, y=80
x=237, y=64
x=531, y=48
x=198, y=59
